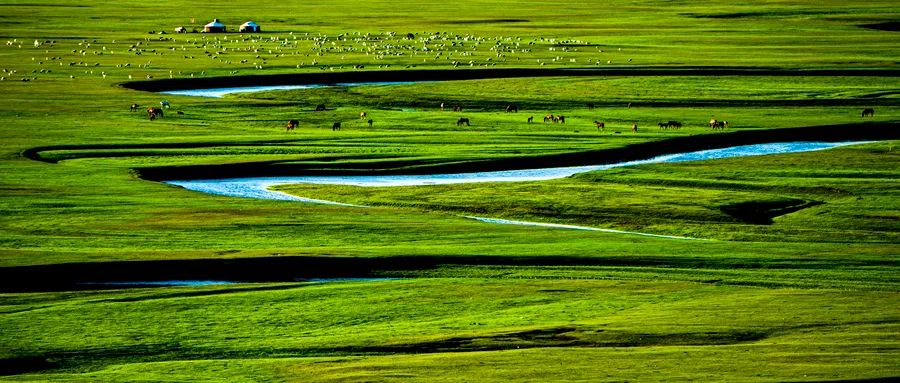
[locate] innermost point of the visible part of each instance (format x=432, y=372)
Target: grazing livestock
x=600, y=125
x=457, y=108
x=320, y=107
x=336, y=126
x=362, y=115
x=561, y=119
x=868, y=112
x=462, y=121
x=670, y=124
x=135, y=107
x=713, y=123
x=442, y=107
x=180, y=113
x=634, y=128
x=291, y=124
x=512, y=108
x=154, y=113
x=164, y=104
x=590, y=106
x=370, y=122
x=530, y=119
x=549, y=117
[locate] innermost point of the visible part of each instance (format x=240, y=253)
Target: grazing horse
x=670, y=124
x=362, y=115
x=512, y=108
x=370, y=122
x=590, y=106
x=561, y=119
x=530, y=119
x=336, y=126
x=713, y=123
x=320, y=107
x=164, y=104
x=634, y=128
x=457, y=108
x=154, y=113
x=600, y=125
x=291, y=125
x=719, y=124
x=462, y=121
x=868, y=112
x=135, y=107
x=549, y=117
x=442, y=107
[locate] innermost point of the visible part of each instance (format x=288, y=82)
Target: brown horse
x=462, y=121
x=512, y=108
x=530, y=119
x=600, y=125
x=154, y=113
x=561, y=119
x=291, y=125
x=868, y=112
x=457, y=108
x=549, y=117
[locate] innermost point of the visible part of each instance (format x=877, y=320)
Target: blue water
x=219, y=92
x=258, y=187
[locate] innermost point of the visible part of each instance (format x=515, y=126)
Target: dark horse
x=153, y=113
x=135, y=107
x=462, y=121
x=868, y=112
x=320, y=107
x=336, y=126
x=512, y=108
x=291, y=125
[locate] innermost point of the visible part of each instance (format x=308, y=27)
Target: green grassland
x=794, y=278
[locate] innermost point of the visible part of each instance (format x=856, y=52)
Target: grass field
x=796, y=278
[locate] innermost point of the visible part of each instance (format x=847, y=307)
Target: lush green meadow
x=793, y=276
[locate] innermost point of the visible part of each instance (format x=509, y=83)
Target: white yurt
x=250, y=27
x=214, y=27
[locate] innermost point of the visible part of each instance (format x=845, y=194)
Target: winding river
x=219, y=92
x=261, y=187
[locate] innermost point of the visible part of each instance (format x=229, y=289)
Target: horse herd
x=154, y=113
